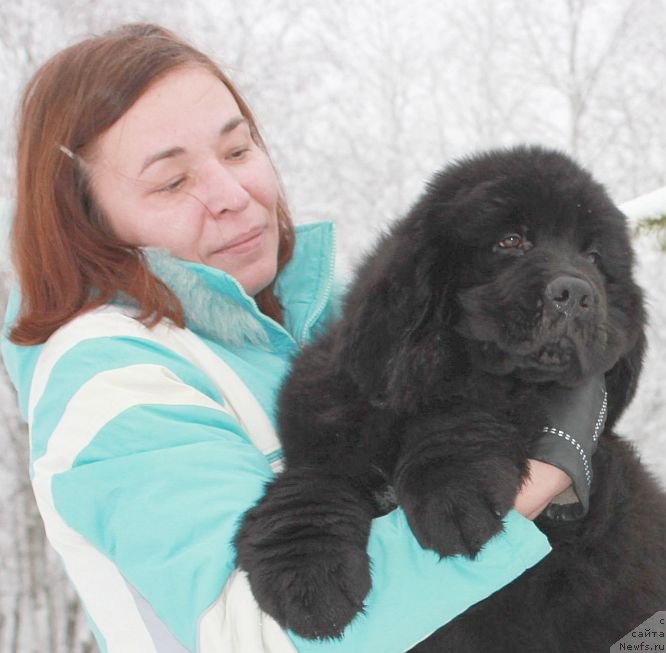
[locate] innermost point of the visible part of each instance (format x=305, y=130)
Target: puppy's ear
x=622, y=380
x=396, y=338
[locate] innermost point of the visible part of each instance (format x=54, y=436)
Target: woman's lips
x=243, y=243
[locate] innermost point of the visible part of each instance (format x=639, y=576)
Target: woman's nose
x=224, y=191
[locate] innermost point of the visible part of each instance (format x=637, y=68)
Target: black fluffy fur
x=427, y=391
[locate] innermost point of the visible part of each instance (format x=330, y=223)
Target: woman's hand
x=576, y=417
x=544, y=482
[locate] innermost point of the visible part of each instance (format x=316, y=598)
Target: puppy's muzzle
x=569, y=296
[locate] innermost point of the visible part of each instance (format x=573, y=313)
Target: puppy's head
x=514, y=261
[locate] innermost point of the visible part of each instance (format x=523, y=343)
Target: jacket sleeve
x=414, y=592
x=141, y=475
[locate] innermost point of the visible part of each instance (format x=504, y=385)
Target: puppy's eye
x=511, y=241
x=593, y=256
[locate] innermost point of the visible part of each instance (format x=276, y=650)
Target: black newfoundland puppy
x=427, y=392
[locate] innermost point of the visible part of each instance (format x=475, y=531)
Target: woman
x=164, y=290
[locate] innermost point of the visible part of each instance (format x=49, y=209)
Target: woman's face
x=181, y=171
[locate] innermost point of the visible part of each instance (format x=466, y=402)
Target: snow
x=650, y=205
x=645, y=421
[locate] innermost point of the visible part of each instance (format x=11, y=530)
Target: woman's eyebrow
x=158, y=156
x=231, y=124
x=228, y=127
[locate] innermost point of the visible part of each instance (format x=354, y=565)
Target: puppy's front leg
x=304, y=547
x=457, y=476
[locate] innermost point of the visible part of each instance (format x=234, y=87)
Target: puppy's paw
x=304, y=551
x=456, y=511
x=315, y=593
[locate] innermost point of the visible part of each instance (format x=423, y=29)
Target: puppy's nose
x=569, y=295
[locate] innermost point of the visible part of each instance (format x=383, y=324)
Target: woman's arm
x=142, y=476
x=415, y=592
x=561, y=457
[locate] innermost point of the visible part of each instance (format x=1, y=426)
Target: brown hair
x=66, y=259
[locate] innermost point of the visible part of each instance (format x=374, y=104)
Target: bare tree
x=589, y=58
x=39, y=611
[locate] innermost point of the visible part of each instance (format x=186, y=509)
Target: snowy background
x=360, y=101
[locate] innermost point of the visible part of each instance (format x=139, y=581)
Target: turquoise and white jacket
x=147, y=446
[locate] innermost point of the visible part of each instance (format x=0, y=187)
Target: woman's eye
x=172, y=186
x=239, y=153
